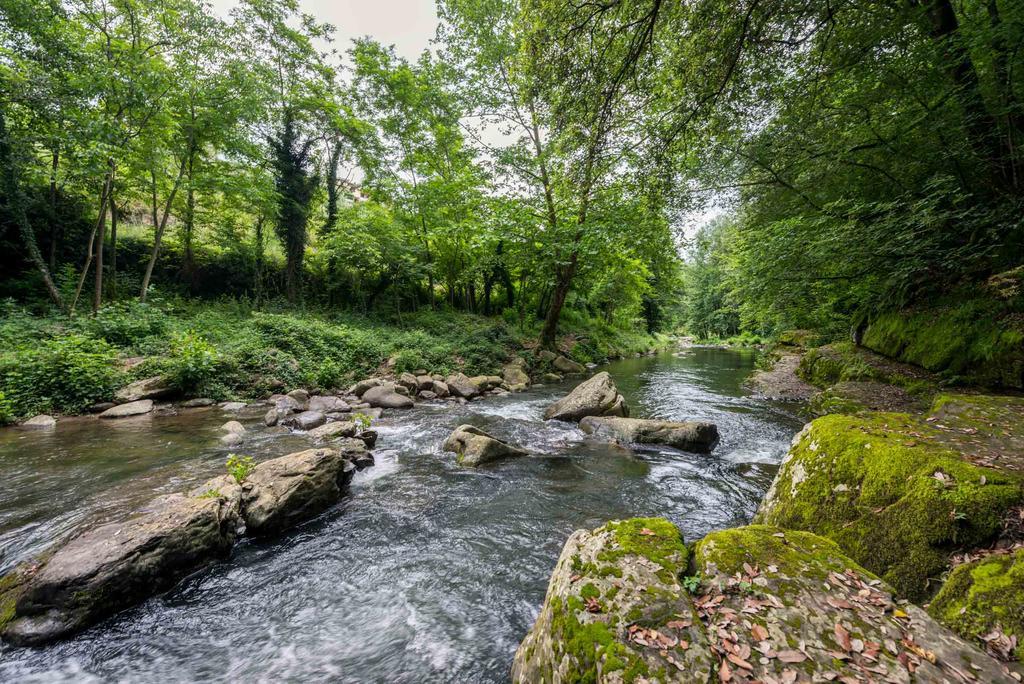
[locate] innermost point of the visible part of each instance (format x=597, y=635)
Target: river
x=426, y=572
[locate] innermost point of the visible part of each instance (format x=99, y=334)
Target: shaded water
x=425, y=572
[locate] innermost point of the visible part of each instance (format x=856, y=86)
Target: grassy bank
x=230, y=350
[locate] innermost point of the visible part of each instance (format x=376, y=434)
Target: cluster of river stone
x=805, y=594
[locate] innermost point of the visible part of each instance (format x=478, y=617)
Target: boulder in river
x=597, y=396
x=132, y=408
x=359, y=389
x=284, y=491
x=301, y=397
x=328, y=404
x=440, y=388
x=233, y=426
x=156, y=387
x=424, y=382
x=763, y=604
x=385, y=396
x=474, y=447
x=198, y=402
x=485, y=383
x=461, y=386
x=330, y=430
x=409, y=382
x=566, y=365
x=42, y=421
x=695, y=436
x=110, y=567
x=233, y=406
x=515, y=377
x=307, y=420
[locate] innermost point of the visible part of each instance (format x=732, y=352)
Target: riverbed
x=426, y=572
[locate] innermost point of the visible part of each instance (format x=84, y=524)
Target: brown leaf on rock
x=724, y=672
x=842, y=637
x=759, y=633
x=791, y=656
x=648, y=532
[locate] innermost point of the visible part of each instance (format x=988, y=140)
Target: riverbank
x=229, y=351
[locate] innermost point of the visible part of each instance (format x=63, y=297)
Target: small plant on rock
x=692, y=583
x=362, y=422
x=239, y=467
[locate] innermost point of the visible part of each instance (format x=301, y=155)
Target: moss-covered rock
x=977, y=340
x=985, y=598
x=843, y=362
x=615, y=611
x=890, y=493
x=780, y=605
x=769, y=605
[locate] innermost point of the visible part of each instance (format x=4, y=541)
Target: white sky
x=409, y=25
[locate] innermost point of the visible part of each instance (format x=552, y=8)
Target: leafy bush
x=127, y=324
x=192, y=362
x=239, y=467
x=65, y=374
x=6, y=410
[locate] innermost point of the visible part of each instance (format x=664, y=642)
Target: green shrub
x=127, y=324
x=192, y=362
x=66, y=374
x=6, y=410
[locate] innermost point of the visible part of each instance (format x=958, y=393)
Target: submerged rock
x=232, y=406
x=156, y=387
x=761, y=604
x=198, y=402
x=474, y=447
x=134, y=408
x=284, y=491
x=113, y=566
x=233, y=426
x=687, y=435
x=41, y=421
x=597, y=396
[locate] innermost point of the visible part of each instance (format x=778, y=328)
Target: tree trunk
x=260, y=247
x=113, y=246
x=159, y=232
x=188, y=227
x=97, y=294
x=16, y=201
x=332, y=187
x=562, y=285
x=981, y=127
x=55, y=229
x=104, y=193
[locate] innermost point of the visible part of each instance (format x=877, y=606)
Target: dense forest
x=541, y=163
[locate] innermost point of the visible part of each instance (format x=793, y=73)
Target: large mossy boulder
x=886, y=489
x=628, y=603
x=786, y=606
x=597, y=396
x=616, y=611
x=113, y=566
x=984, y=600
x=697, y=436
x=474, y=447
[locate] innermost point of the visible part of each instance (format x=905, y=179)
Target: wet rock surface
x=597, y=396
x=475, y=447
x=133, y=408
x=697, y=436
x=110, y=567
x=156, y=387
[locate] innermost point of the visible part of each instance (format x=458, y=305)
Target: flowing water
x=426, y=572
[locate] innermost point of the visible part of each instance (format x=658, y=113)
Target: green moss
x=828, y=401
x=656, y=539
x=794, y=553
x=868, y=483
x=11, y=586
x=592, y=645
x=590, y=591
x=981, y=596
x=978, y=340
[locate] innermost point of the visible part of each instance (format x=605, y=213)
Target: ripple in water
x=425, y=572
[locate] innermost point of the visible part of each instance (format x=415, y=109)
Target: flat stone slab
x=148, y=388
x=110, y=567
x=132, y=408
x=695, y=436
x=40, y=422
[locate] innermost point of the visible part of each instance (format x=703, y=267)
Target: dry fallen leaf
x=842, y=637
x=790, y=656
x=759, y=632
